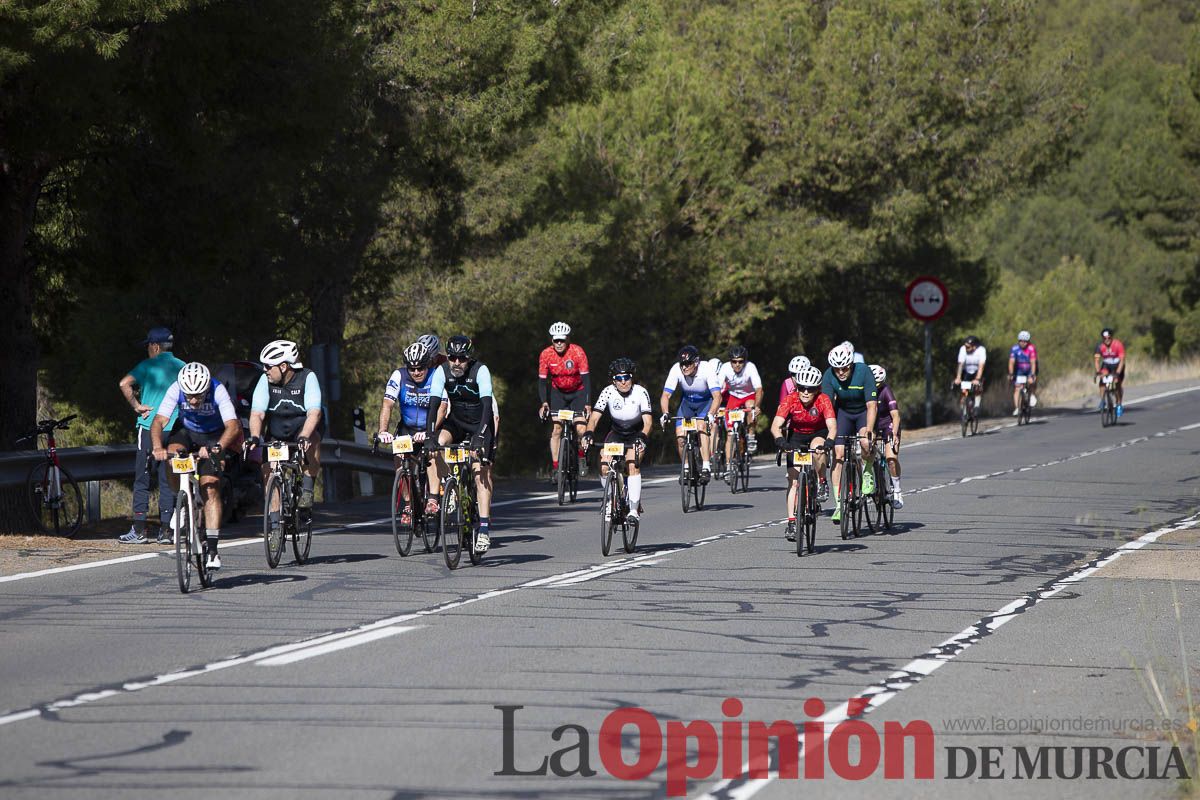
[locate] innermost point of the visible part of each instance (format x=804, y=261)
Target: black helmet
x=1104, y=334
x=689, y=355
x=460, y=346
x=621, y=366
x=738, y=351
x=973, y=340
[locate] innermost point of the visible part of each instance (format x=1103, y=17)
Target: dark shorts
x=193, y=440
x=289, y=431
x=627, y=438
x=1108, y=368
x=574, y=401
x=850, y=422
x=485, y=442
x=796, y=440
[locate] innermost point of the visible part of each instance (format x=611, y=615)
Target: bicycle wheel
x=59, y=513
x=430, y=534
x=844, y=496
x=889, y=514
x=564, y=456
x=974, y=422
x=799, y=511
x=273, y=538
x=606, y=513
x=301, y=534
x=183, y=540
x=811, y=514
x=698, y=484
x=403, y=534
x=685, y=482
x=471, y=524
x=966, y=416
x=450, y=522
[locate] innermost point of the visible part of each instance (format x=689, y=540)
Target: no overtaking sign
x=926, y=298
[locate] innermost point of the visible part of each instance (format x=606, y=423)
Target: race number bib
x=966, y=385
x=456, y=455
x=183, y=465
x=1022, y=379
x=1108, y=379
x=277, y=453
x=402, y=444
x=614, y=449
x=687, y=424
x=737, y=416
x=801, y=459
x=566, y=415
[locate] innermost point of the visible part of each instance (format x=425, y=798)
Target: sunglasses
x=803, y=390
x=559, y=341
x=737, y=361
x=457, y=359
x=622, y=377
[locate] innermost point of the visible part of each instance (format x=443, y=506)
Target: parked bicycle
x=283, y=518
x=52, y=494
x=692, y=483
x=459, y=516
x=970, y=413
x=850, y=494
x=880, y=512
x=1108, y=404
x=807, y=506
x=411, y=479
x=738, y=474
x=186, y=522
x=614, y=508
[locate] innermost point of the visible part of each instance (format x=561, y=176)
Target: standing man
x=144, y=388
x=564, y=384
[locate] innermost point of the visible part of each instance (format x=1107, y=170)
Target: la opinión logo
x=737, y=747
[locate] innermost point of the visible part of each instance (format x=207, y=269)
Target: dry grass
x=1078, y=387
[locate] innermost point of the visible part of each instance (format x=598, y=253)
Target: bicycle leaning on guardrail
x=51, y=492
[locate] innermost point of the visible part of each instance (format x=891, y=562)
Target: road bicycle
x=1108, y=404
x=880, y=513
x=850, y=494
x=738, y=474
x=1024, y=409
x=459, y=516
x=719, y=435
x=185, y=523
x=51, y=493
x=970, y=415
x=692, y=484
x=411, y=474
x=281, y=498
x=566, y=478
x=614, y=508
x=807, y=507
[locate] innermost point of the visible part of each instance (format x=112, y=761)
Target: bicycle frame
x=690, y=481
x=462, y=505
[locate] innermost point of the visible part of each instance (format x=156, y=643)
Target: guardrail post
x=93, y=502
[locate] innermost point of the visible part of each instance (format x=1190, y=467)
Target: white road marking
x=339, y=644
x=88, y=565
x=921, y=667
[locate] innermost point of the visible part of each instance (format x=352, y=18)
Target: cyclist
x=207, y=420
x=1022, y=360
x=433, y=346
x=858, y=357
x=795, y=366
x=972, y=358
x=465, y=414
x=887, y=430
x=851, y=387
x=1109, y=358
x=410, y=389
x=287, y=406
x=810, y=419
x=742, y=388
x=701, y=395
x=564, y=383
x=630, y=412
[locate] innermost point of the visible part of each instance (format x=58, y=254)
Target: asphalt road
x=364, y=674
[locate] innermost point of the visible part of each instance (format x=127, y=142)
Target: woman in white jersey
x=628, y=407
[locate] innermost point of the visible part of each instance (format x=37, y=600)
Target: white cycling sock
x=635, y=490
x=896, y=484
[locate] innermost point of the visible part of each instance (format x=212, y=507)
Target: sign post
x=927, y=299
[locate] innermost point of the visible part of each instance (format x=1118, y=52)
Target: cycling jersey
x=698, y=388
x=286, y=405
x=971, y=362
x=566, y=372
x=210, y=417
x=467, y=395
x=625, y=410
x=788, y=387
x=740, y=384
x=1110, y=355
x=1023, y=359
x=852, y=394
x=887, y=404
x=413, y=398
x=810, y=419
x=153, y=377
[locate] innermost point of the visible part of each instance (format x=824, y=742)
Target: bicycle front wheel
x=401, y=532
x=564, y=455
x=450, y=522
x=273, y=538
x=810, y=513
x=844, y=497
x=183, y=540
x=966, y=416
x=56, y=509
x=608, y=510
x=302, y=535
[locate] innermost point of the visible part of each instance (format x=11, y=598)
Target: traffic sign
x=926, y=298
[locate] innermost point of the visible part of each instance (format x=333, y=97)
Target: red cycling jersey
x=1110, y=355
x=810, y=419
x=566, y=371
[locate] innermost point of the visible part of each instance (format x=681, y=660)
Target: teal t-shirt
x=154, y=376
x=852, y=394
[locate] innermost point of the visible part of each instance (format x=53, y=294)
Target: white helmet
x=809, y=376
x=194, y=378
x=560, y=330
x=1023, y=336
x=798, y=363
x=880, y=374
x=280, y=351
x=841, y=356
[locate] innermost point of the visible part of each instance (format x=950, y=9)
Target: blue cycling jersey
x=413, y=398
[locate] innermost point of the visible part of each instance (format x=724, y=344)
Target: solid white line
x=921, y=667
x=88, y=565
x=330, y=647
x=1161, y=395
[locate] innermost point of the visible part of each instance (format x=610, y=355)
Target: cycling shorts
x=733, y=402
x=796, y=440
x=850, y=422
x=559, y=401
x=192, y=440
x=1106, y=369
x=697, y=409
x=485, y=442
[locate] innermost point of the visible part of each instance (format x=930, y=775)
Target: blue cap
x=158, y=336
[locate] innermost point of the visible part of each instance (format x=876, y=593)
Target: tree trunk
x=19, y=190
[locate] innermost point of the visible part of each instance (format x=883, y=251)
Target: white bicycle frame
x=185, y=468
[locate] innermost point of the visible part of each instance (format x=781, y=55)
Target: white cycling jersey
x=743, y=384
x=699, y=387
x=626, y=410
x=971, y=362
